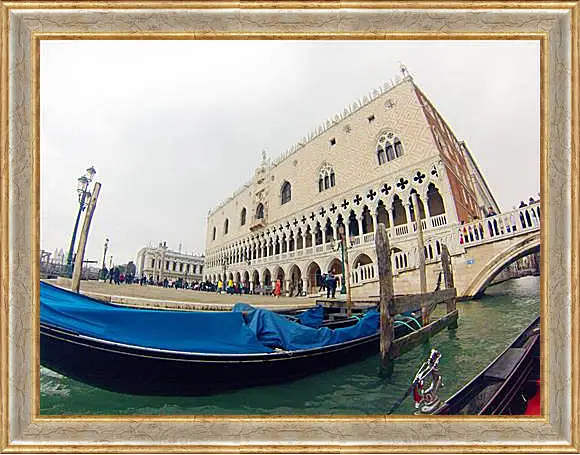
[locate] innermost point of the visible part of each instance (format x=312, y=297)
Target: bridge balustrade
x=503, y=225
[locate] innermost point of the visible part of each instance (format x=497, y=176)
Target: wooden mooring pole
x=449, y=283
x=425, y=315
x=76, y=278
x=386, y=295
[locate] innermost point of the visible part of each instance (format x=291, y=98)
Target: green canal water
x=486, y=328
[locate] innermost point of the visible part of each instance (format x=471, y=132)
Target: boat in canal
x=510, y=385
x=181, y=353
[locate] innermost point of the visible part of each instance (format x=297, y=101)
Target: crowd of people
x=328, y=282
x=115, y=275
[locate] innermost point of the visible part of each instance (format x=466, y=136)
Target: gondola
x=178, y=353
x=510, y=385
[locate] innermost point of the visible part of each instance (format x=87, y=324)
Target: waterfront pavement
x=159, y=297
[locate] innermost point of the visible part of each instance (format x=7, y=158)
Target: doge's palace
x=356, y=170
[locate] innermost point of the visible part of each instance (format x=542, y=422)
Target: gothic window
x=381, y=156
x=326, y=177
x=390, y=154
x=226, y=225
x=389, y=148
x=286, y=192
x=398, y=148
x=243, y=217
x=152, y=263
x=213, y=236
x=260, y=212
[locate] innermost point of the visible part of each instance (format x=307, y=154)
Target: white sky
x=174, y=127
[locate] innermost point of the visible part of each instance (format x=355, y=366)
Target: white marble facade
x=357, y=169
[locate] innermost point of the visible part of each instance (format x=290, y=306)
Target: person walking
x=322, y=283
x=277, y=289
x=330, y=285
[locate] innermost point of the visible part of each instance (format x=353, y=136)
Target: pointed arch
x=435, y=201
x=285, y=193
x=399, y=213
x=260, y=211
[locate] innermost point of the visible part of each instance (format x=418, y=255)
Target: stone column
x=360, y=224
x=287, y=286
x=374, y=220
x=391, y=220
x=409, y=221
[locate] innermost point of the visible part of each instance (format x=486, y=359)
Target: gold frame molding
x=32, y=433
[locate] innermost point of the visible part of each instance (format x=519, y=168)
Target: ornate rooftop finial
x=404, y=70
x=264, y=156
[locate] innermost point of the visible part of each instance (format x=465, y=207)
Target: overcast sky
x=174, y=127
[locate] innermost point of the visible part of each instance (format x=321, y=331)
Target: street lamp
x=84, y=194
x=104, y=256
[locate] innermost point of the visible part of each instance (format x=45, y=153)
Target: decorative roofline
x=324, y=127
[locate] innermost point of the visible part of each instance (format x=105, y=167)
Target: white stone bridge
x=479, y=251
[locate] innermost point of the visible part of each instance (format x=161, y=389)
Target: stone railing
x=362, y=274
x=402, y=229
x=369, y=238
x=504, y=225
x=438, y=220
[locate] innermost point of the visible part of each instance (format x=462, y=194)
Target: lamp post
x=84, y=193
x=104, y=256
x=345, y=270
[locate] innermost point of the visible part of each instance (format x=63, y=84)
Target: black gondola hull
x=142, y=371
x=501, y=388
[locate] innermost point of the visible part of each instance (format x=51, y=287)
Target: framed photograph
x=289, y=227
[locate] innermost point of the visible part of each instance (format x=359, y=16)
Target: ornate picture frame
x=25, y=24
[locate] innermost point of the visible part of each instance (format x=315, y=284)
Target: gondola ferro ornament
x=427, y=398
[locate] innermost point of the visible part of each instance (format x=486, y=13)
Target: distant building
x=161, y=262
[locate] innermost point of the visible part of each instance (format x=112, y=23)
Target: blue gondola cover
x=237, y=332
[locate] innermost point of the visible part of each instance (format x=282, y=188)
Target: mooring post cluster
x=390, y=304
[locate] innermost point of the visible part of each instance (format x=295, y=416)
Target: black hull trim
x=504, y=386
x=141, y=371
